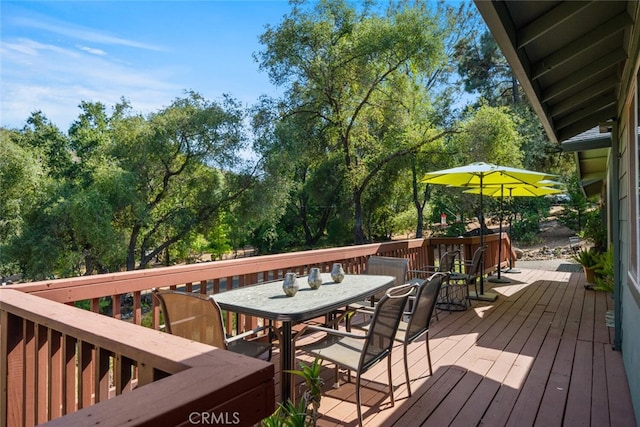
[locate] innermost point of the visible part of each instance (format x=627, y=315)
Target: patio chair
x=377, y=265
x=384, y=266
x=423, y=305
x=199, y=318
x=446, y=265
x=473, y=273
x=420, y=317
x=360, y=352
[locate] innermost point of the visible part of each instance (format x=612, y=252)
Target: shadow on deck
x=540, y=355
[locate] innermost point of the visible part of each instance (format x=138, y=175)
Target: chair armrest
x=365, y=310
x=248, y=333
x=422, y=272
x=314, y=328
x=428, y=268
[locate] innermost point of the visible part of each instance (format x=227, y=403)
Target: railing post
x=85, y=374
x=12, y=370
x=102, y=359
x=56, y=374
x=69, y=374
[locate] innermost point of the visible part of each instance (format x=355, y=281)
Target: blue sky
x=55, y=54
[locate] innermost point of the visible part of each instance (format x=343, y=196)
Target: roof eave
x=496, y=17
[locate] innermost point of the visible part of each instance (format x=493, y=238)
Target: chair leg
x=358, y=400
x=406, y=368
x=426, y=339
x=464, y=290
x=475, y=287
x=270, y=335
x=393, y=402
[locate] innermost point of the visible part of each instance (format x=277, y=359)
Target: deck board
x=541, y=354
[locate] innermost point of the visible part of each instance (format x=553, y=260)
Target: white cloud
x=92, y=51
x=60, y=64
x=54, y=79
x=81, y=33
x=29, y=47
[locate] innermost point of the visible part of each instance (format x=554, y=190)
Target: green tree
x=68, y=228
x=455, y=25
x=186, y=168
x=123, y=189
x=575, y=214
x=485, y=70
x=22, y=180
x=315, y=189
x=50, y=144
x=350, y=69
x=490, y=135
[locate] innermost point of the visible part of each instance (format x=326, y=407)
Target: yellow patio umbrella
x=482, y=174
x=479, y=175
x=524, y=190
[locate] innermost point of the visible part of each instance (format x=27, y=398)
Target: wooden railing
x=59, y=362
x=43, y=340
x=130, y=290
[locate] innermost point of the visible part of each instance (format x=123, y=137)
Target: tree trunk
x=131, y=250
x=359, y=237
x=420, y=225
x=416, y=200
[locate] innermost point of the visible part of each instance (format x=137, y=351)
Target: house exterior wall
x=628, y=239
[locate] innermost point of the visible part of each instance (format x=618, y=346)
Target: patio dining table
x=268, y=301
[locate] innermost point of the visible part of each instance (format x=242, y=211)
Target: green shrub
x=595, y=230
x=526, y=229
x=306, y=413
x=588, y=258
x=455, y=230
x=604, y=273
x=529, y=238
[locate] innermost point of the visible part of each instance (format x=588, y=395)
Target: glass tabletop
x=269, y=301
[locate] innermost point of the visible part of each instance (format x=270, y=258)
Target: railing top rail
x=141, y=280
x=245, y=269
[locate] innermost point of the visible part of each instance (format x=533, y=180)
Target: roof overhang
x=591, y=150
x=571, y=57
x=574, y=60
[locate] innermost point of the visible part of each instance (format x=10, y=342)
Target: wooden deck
x=539, y=355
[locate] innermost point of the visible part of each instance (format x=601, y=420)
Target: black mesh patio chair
x=469, y=278
x=359, y=352
x=424, y=304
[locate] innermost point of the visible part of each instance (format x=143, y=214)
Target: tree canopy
x=348, y=73
x=123, y=189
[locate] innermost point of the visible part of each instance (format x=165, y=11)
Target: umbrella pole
x=482, y=296
x=511, y=270
x=499, y=279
